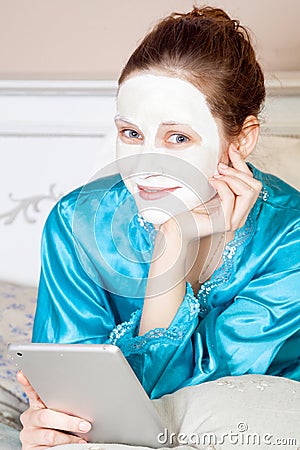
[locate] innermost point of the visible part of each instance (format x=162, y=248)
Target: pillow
x=226, y=413
x=237, y=412
x=17, y=307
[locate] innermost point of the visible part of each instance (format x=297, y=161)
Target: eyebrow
x=171, y=122
x=124, y=119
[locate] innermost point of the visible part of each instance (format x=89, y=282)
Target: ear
x=247, y=139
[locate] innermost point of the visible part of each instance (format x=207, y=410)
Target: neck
x=204, y=257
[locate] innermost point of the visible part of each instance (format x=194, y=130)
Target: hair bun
x=216, y=15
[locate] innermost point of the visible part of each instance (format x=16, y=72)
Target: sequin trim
x=124, y=327
x=137, y=344
x=148, y=227
x=264, y=194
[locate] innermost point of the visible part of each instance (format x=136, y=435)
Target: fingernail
x=218, y=176
x=223, y=166
x=82, y=442
x=234, y=148
x=84, y=426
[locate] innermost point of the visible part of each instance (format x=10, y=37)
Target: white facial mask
x=146, y=102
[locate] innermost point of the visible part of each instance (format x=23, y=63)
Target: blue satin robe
x=96, y=254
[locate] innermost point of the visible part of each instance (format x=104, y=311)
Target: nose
x=150, y=162
x=151, y=176
x=150, y=147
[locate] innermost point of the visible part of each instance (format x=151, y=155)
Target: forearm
x=165, y=286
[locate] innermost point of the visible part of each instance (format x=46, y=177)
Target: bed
x=58, y=135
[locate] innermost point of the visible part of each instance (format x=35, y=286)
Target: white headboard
x=55, y=135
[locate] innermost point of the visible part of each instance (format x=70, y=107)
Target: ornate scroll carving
x=24, y=205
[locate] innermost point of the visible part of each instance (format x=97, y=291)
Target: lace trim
x=124, y=327
x=174, y=334
x=264, y=194
x=147, y=226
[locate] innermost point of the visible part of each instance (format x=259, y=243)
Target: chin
x=155, y=216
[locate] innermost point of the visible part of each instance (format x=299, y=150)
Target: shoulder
x=280, y=193
x=276, y=192
x=275, y=235
x=88, y=197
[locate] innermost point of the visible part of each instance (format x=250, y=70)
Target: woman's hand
x=237, y=192
x=41, y=425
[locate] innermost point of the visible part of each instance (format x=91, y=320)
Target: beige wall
x=91, y=39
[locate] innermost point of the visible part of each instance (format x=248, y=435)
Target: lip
x=158, y=192
x=154, y=188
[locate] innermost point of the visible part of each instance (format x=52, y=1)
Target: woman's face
x=168, y=144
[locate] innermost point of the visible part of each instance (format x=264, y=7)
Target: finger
x=237, y=160
x=47, y=418
x=238, y=186
x=245, y=177
x=39, y=447
x=227, y=200
x=34, y=399
x=209, y=205
x=45, y=438
x=245, y=198
x=206, y=209
x=36, y=447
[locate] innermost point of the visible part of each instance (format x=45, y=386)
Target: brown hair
x=214, y=53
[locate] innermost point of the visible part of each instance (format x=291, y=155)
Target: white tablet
x=95, y=382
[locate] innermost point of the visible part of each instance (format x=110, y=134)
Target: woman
x=121, y=256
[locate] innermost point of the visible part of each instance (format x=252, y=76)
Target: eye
x=178, y=139
x=131, y=134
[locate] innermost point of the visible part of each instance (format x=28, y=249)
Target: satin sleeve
x=71, y=307
x=239, y=338
x=155, y=355
x=265, y=314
